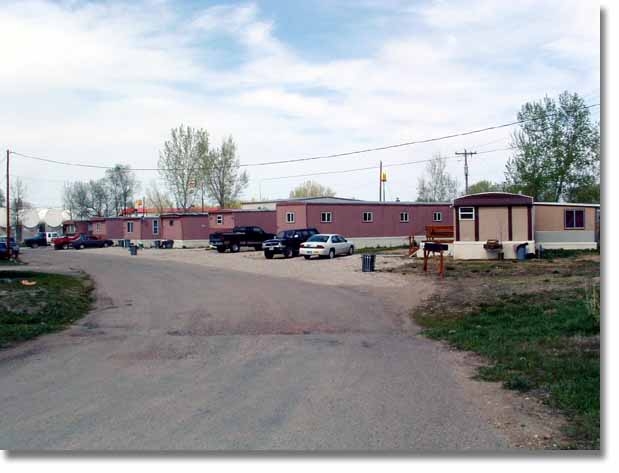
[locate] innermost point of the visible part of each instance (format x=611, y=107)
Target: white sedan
x=326, y=244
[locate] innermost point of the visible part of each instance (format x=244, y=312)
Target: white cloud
x=106, y=82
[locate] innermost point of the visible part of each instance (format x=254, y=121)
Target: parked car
x=40, y=239
x=326, y=244
x=14, y=247
x=238, y=237
x=64, y=242
x=49, y=236
x=88, y=241
x=287, y=242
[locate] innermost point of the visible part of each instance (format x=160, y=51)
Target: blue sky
x=104, y=82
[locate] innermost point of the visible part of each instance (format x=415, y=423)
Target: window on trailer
x=129, y=227
x=404, y=217
x=289, y=217
x=437, y=217
x=467, y=213
x=326, y=217
x=368, y=216
x=155, y=227
x=220, y=220
x=575, y=219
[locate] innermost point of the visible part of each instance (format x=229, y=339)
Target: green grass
x=553, y=254
x=52, y=304
x=544, y=342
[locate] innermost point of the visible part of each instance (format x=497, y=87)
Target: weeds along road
x=183, y=356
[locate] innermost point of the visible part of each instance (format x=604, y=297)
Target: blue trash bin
x=521, y=252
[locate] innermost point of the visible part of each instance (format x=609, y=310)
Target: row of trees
x=103, y=197
x=556, y=157
x=189, y=167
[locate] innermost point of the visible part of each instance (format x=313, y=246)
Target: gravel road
x=183, y=353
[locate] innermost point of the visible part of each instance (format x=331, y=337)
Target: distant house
x=188, y=229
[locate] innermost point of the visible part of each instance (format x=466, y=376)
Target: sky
x=105, y=82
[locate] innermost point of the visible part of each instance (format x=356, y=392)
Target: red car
x=64, y=242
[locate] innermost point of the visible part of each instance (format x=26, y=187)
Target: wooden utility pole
x=466, y=154
x=8, y=209
x=380, y=183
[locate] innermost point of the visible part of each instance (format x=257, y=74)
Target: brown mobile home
x=514, y=220
x=567, y=226
x=366, y=223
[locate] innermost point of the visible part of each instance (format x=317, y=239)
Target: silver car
x=326, y=244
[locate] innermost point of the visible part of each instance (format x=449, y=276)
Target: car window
x=319, y=238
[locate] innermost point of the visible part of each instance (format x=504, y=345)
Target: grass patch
x=543, y=342
x=53, y=303
x=560, y=253
x=9, y=262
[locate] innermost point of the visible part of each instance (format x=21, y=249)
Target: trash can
x=157, y=243
x=127, y=243
x=521, y=252
x=120, y=243
x=167, y=244
x=133, y=250
x=368, y=262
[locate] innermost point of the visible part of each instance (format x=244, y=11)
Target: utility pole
x=380, y=182
x=466, y=154
x=8, y=209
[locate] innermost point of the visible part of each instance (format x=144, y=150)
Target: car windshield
x=320, y=238
x=285, y=234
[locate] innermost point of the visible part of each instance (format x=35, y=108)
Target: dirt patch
x=527, y=422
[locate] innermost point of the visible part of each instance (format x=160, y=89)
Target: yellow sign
x=383, y=177
x=138, y=203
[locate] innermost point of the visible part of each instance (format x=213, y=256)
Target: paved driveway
x=184, y=356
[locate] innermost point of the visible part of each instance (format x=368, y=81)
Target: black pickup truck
x=287, y=242
x=238, y=237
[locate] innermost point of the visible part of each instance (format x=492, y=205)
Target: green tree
x=18, y=205
x=557, y=149
x=485, y=186
x=122, y=185
x=184, y=162
x=223, y=179
x=438, y=185
x=311, y=189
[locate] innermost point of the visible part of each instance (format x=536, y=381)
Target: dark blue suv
x=14, y=247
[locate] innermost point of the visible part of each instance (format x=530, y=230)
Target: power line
x=344, y=171
x=328, y=156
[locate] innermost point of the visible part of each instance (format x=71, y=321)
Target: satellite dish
x=54, y=217
x=30, y=218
